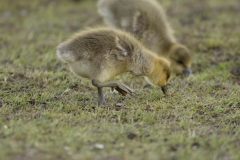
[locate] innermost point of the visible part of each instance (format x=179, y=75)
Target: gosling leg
x=120, y=87
x=102, y=101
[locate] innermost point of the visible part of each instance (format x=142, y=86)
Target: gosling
x=100, y=54
x=147, y=20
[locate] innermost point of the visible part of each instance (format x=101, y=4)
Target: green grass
x=48, y=113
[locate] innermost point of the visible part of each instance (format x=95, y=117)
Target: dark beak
x=164, y=89
x=187, y=71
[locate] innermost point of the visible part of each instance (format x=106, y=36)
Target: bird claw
x=104, y=105
x=124, y=90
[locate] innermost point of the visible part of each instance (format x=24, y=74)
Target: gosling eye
x=168, y=76
x=180, y=62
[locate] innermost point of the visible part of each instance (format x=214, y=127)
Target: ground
x=48, y=113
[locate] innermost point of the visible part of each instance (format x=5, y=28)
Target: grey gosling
x=100, y=54
x=147, y=20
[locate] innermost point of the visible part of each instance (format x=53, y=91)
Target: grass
x=48, y=113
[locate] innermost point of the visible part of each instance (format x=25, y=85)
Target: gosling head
x=160, y=74
x=180, y=60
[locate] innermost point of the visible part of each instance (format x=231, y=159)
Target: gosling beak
x=164, y=89
x=187, y=71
